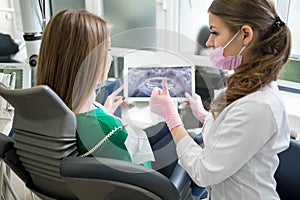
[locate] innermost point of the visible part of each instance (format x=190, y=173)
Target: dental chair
x=43, y=153
x=288, y=172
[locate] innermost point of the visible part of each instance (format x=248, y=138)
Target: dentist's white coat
x=239, y=158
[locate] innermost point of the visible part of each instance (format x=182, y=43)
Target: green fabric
x=93, y=126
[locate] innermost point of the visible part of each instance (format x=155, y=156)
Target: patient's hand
x=113, y=101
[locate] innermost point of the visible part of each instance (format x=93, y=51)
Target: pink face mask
x=230, y=62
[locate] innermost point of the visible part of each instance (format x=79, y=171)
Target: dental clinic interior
x=150, y=41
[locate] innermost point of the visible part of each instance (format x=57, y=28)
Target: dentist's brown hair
x=266, y=55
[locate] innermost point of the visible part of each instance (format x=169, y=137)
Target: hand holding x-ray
x=162, y=104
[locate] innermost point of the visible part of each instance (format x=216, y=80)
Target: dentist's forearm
x=178, y=133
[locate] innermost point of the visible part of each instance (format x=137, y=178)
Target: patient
x=73, y=59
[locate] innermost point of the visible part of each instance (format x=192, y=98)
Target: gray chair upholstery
x=288, y=172
x=43, y=154
x=44, y=134
x=122, y=180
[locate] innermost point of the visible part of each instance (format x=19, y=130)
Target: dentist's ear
x=247, y=32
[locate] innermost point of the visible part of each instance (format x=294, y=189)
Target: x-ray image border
x=142, y=80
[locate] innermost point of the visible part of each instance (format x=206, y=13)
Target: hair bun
x=277, y=24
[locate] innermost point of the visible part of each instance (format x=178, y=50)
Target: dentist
x=246, y=126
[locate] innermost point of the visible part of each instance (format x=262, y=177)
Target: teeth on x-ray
x=156, y=82
x=142, y=80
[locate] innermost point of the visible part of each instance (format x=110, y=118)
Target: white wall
x=8, y=20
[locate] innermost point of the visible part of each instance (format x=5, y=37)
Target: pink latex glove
x=196, y=105
x=162, y=104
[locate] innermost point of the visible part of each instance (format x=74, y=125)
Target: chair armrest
x=111, y=170
x=9, y=156
x=6, y=144
x=181, y=181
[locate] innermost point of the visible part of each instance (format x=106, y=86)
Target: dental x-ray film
x=140, y=81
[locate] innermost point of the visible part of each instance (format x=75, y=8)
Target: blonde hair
x=72, y=57
x=265, y=58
